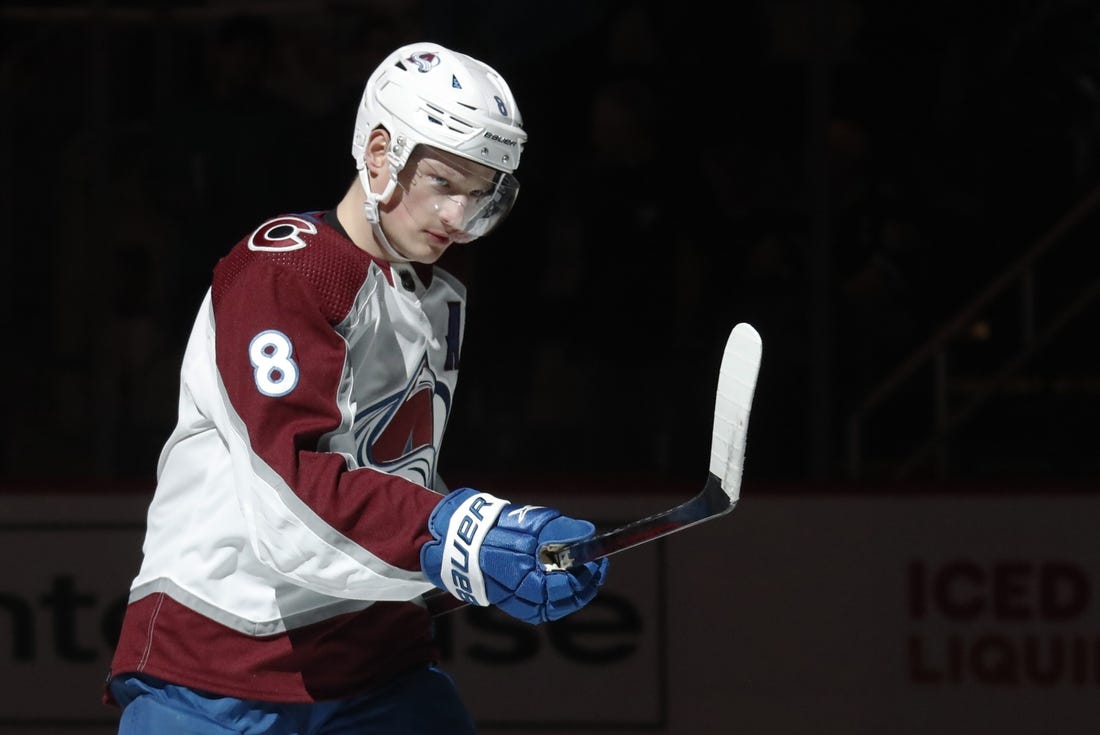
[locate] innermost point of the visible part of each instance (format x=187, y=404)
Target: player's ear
x=374, y=154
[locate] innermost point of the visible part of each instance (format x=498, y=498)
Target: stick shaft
x=712, y=502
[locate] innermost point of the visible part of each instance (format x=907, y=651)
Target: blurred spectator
x=238, y=178
x=116, y=291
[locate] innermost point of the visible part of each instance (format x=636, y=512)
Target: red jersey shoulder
x=303, y=246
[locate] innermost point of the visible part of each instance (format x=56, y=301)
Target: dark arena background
x=903, y=198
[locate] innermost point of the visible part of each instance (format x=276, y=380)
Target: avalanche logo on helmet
x=424, y=61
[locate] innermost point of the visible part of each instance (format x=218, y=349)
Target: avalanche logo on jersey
x=281, y=234
x=399, y=434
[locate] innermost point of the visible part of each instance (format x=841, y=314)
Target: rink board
x=795, y=614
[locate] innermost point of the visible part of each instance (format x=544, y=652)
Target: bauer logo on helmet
x=499, y=139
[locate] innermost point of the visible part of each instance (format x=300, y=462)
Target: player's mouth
x=439, y=239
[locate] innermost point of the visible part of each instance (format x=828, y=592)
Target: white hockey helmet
x=426, y=94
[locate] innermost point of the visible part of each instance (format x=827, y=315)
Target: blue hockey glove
x=485, y=552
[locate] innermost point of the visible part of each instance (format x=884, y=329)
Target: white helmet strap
x=372, y=213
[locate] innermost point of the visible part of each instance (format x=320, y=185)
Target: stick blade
x=733, y=403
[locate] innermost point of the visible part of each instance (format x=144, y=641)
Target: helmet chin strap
x=374, y=216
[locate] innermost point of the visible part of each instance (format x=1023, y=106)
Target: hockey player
x=298, y=516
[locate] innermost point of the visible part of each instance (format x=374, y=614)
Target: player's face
x=437, y=198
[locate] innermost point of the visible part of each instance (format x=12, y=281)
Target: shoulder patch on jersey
x=281, y=234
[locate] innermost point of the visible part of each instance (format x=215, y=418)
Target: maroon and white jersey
x=281, y=560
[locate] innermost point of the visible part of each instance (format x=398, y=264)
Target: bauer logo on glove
x=486, y=552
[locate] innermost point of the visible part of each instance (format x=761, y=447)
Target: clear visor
x=469, y=199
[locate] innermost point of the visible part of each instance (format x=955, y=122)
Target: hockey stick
x=736, y=385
